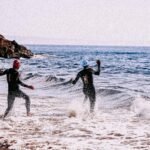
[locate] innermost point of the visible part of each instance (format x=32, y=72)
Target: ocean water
x=122, y=112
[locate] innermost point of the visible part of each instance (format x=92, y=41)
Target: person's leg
x=92, y=98
x=85, y=99
x=10, y=99
x=92, y=103
x=27, y=99
x=85, y=92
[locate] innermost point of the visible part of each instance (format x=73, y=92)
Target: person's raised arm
x=98, y=68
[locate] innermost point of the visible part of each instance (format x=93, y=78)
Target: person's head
x=16, y=64
x=84, y=63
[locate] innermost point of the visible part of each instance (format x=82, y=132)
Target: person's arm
x=25, y=85
x=76, y=79
x=3, y=72
x=98, y=68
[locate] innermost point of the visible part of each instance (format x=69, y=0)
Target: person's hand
x=31, y=87
x=73, y=82
x=1, y=71
x=98, y=62
x=70, y=81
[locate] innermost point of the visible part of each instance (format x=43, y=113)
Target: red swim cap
x=16, y=64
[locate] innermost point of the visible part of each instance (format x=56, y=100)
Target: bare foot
x=1, y=116
x=29, y=114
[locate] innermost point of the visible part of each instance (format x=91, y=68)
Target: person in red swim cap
x=13, y=87
x=16, y=64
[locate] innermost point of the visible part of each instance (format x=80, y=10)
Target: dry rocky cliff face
x=11, y=49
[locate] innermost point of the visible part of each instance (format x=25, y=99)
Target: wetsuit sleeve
x=77, y=78
x=98, y=69
x=22, y=84
x=3, y=72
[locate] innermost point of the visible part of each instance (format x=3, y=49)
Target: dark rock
x=11, y=49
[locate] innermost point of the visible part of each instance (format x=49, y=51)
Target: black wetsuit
x=88, y=87
x=13, y=89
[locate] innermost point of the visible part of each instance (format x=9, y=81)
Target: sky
x=77, y=22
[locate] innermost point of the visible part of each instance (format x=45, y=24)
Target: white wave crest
x=141, y=107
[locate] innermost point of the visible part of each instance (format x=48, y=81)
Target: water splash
x=141, y=107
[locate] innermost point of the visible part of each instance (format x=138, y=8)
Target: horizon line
x=90, y=45
x=43, y=41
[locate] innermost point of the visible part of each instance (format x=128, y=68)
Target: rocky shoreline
x=11, y=49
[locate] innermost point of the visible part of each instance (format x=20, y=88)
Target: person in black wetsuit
x=87, y=78
x=13, y=87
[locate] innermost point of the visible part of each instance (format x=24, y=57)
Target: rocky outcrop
x=11, y=49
